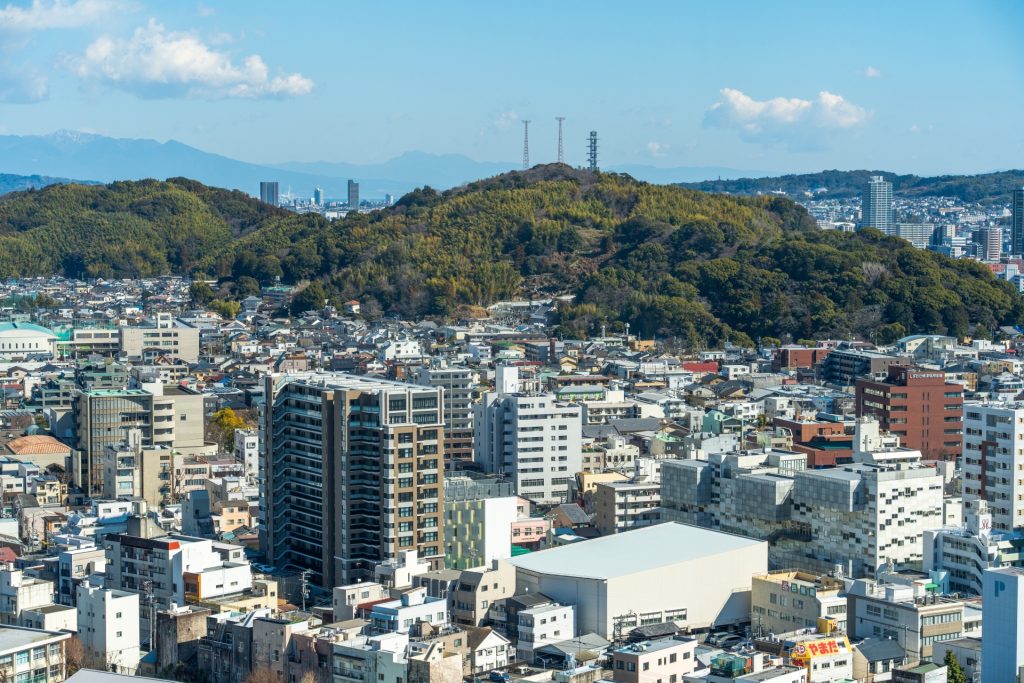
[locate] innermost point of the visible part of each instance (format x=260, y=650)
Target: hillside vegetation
x=674, y=263
x=985, y=188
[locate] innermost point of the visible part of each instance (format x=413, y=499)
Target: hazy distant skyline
x=923, y=87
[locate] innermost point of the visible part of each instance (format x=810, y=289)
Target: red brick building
x=826, y=444
x=799, y=357
x=919, y=406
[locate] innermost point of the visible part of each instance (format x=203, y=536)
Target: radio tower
x=526, y=144
x=561, y=155
x=592, y=150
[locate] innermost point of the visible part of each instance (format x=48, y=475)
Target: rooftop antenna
x=592, y=150
x=561, y=153
x=526, y=144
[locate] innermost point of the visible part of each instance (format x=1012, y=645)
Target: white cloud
x=872, y=72
x=793, y=121
x=506, y=119
x=22, y=85
x=53, y=14
x=657, y=149
x=156, y=62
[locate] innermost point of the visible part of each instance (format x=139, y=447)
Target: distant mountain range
x=983, y=187
x=70, y=154
x=16, y=183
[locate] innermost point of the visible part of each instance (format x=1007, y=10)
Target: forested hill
x=14, y=183
x=984, y=188
x=672, y=262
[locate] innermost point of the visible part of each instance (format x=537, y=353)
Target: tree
x=311, y=298
x=225, y=309
x=954, y=673
x=224, y=423
x=201, y=292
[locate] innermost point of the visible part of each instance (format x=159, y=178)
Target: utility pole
x=305, y=587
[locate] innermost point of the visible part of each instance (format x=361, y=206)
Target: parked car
x=499, y=677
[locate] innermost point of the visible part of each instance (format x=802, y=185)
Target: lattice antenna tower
x=561, y=149
x=526, y=144
x=592, y=150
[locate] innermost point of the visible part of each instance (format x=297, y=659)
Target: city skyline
x=680, y=85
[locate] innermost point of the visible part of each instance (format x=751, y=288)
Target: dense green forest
x=674, y=263
x=985, y=188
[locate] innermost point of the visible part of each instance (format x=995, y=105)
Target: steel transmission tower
x=592, y=150
x=561, y=153
x=526, y=144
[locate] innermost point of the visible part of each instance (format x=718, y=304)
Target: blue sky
x=925, y=87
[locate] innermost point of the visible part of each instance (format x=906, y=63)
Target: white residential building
x=19, y=592
x=478, y=531
x=624, y=505
x=398, y=616
x=993, y=460
x=247, y=451
x=542, y=626
x=108, y=627
x=531, y=439
x=957, y=557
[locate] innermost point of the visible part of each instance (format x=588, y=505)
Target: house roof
x=881, y=649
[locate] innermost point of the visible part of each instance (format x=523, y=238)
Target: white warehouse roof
x=639, y=550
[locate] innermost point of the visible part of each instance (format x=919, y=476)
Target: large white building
x=530, y=438
x=20, y=341
x=166, y=337
x=1002, y=653
x=108, y=627
x=477, y=530
x=670, y=572
x=993, y=460
x=957, y=557
x=543, y=625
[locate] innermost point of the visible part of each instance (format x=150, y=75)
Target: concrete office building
x=353, y=473
x=619, y=582
x=530, y=438
x=269, y=192
x=458, y=386
x=919, y=406
x=1002, y=654
x=785, y=601
x=876, y=206
x=177, y=341
x=913, y=617
x=993, y=460
x=990, y=243
x=1017, y=224
x=543, y=625
x=667, y=660
x=843, y=366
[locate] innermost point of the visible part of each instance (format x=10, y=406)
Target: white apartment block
x=993, y=460
x=177, y=341
x=247, y=451
x=108, y=627
x=542, y=626
x=19, y=592
x=478, y=531
x=622, y=505
x=531, y=439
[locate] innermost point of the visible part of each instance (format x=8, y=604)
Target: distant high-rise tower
x=353, y=195
x=1017, y=229
x=990, y=243
x=561, y=151
x=592, y=150
x=876, y=206
x=526, y=144
x=269, y=192
x=318, y=196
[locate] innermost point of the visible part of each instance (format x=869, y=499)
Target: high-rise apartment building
x=529, y=438
x=458, y=386
x=269, y=192
x=876, y=206
x=318, y=196
x=919, y=406
x=1017, y=226
x=918, y=234
x=353, y=195
x=993, y=461
x=353, y=473
x=989, y=242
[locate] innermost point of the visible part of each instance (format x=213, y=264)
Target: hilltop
x=984, y=188
x=672, y=262
x=10, y=182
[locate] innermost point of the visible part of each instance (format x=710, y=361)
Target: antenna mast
x=526, y=144
x=561, y=154
x=592, y=150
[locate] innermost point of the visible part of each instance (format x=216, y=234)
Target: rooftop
x=15, y=638
x=634, y=551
